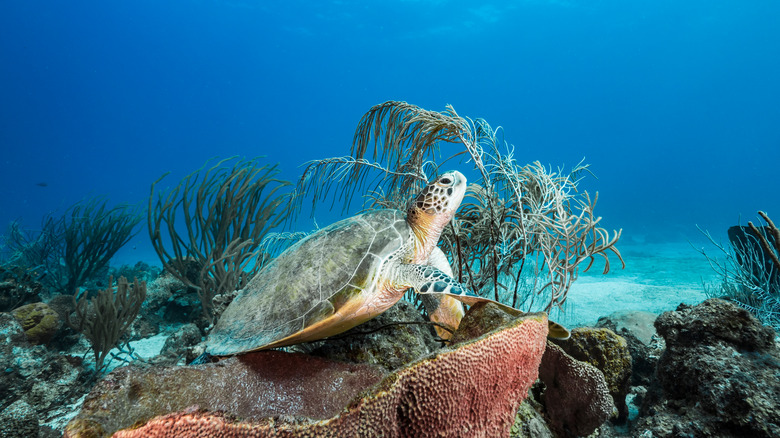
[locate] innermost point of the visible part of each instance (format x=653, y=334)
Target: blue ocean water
x=673, y=103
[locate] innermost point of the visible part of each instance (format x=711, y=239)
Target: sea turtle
x=348, y=273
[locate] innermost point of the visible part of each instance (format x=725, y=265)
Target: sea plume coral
x=512, y=215
x=750, y=274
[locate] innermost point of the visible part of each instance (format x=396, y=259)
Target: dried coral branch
x=344, y=176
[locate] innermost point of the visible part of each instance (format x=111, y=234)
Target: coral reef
x=493, y=372
x=719, y=375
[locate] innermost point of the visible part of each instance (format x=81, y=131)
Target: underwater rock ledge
x=493, y=372
x=719, y=375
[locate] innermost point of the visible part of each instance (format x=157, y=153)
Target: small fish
x=42, y=184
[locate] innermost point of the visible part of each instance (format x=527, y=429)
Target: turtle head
x=443, y=195
x=434, y=207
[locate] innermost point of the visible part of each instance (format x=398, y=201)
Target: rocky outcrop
x=492, y=372
x=18, y=286
x=644, y=344
x=719, y=375
x=19, y=420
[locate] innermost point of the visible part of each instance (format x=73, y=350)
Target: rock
x=713, y=322
x=719, y=375
x=384, y=341
x=39, y=322
x=634, y=323
x=159, y=291
x=481, y=318
x=637, y=328
x=62, y=304
x=66, y=338
x=144, y=327
x=252, y=386
x=170, y=301
x=19, y=420
x=179, y=344
x=609, y=353
x=13, y=344
x=44, y=380
x=141, y=270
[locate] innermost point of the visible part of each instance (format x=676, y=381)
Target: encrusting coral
x=608, y=352
x=473, y=390
x=576, y=396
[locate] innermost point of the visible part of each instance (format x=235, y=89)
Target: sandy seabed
x=657, y=277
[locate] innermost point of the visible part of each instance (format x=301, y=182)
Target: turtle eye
x=445, y=181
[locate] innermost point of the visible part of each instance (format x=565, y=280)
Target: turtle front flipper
x=445, y=310
x=430, y=280
x=441, y=308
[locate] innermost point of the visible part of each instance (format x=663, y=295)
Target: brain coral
x=473, y=390
x=39, y=321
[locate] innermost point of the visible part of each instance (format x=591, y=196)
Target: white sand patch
x=657, y=278
x=145, y=348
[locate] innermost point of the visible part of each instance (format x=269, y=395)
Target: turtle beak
x=455, y=190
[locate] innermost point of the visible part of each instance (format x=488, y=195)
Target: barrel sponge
x=472, y=390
